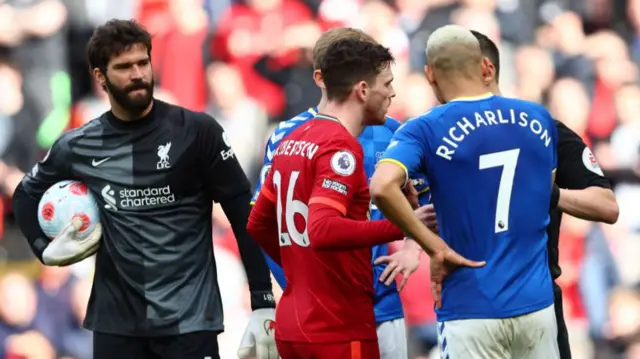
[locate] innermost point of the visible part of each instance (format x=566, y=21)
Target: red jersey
x=319, y=169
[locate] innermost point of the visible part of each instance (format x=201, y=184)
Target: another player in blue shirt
x=374, y=140
x=490, y=162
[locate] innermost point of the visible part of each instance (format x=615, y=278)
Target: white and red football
x=63, y=202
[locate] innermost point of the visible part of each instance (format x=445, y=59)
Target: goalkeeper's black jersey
x=577, y=169
x=154, y=180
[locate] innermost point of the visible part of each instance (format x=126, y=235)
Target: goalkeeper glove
x=65, y=249
x=258, y=340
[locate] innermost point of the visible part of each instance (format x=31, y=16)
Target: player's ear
x=488, y=71
x=317, y=78
x=362, y=90
x=100, y=78
x=428, y=70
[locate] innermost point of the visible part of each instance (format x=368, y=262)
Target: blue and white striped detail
x=442, y=341
x=281, y=131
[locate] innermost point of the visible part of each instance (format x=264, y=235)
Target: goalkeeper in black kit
x=155, y=170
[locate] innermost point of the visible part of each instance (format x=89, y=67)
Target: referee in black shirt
x=581, y=190
x=155, y=170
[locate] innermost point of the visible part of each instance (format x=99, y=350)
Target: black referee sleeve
x=237, y=211
x=577, y=167
x=555, y=197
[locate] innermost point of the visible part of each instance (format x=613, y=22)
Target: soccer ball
x=63, y=202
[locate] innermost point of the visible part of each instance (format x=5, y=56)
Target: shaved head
x=453, y=49
x=455, y=64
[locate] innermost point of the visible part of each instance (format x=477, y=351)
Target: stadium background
x=247, y=63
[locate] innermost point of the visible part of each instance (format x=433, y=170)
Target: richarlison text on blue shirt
x=465, y=126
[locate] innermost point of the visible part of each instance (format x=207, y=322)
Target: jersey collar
x=139, y=123
x=474, y=98
x=320, y=116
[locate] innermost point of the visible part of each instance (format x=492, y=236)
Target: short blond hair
x=453, y=48
x=333, y=35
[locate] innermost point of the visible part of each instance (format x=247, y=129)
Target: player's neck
x=495, y=89
x=463, y=89
x=322, y=103
x=127, y=116
x=349, y=117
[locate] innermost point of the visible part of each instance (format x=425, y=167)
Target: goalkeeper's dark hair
x=349, y=61
x=489, y=50
x=112, y=39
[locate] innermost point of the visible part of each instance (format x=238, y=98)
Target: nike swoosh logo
x=95, y=163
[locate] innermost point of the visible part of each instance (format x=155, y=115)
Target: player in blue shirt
x=490, y=162
x=374, y=140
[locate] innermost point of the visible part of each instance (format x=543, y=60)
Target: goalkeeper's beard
x=122, y=96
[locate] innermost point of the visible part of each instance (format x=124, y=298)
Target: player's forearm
x=328, y=229
x=395, y=207
x=268, y=240
x=593, y=204
x=25, y=209
x=237, y=211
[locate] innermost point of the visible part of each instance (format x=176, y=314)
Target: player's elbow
x=606, y=209
x=321, y=227
x=22, y=203
x=380, y=188
x=610, y=209
x=252, y=229
x=386, y=177
x=318, y=236
x=256, y=230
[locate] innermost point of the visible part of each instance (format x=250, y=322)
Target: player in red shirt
x=316, y=202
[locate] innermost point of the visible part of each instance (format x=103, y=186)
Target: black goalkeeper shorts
x=196, y=345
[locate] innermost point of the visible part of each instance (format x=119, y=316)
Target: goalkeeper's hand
x=65, y=249
x=259, y=340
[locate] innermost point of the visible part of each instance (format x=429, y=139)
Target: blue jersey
x=489, y=162
x=374, y=141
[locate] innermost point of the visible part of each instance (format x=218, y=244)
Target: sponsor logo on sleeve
x=335, y=186
x=228, y=153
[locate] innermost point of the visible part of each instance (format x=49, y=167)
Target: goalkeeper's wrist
x=38, y=246
x=262, y=299
x=555, y=197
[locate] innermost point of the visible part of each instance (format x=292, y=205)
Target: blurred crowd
x=247, y=63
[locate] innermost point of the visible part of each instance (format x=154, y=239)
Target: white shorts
x=530, y=336
x=392, y=339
